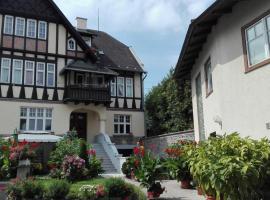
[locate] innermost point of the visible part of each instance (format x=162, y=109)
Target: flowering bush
x=176, y=163
x=91, y=192
x=22, y=151
x=5, y=164
x=73, y=168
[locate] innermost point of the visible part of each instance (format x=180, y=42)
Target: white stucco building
x=226, y=54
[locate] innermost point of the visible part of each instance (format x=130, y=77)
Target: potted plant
x=147, y=172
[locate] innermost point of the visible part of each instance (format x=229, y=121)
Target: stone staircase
x=107, y=164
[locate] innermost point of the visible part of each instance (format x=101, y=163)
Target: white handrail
x=111, y=150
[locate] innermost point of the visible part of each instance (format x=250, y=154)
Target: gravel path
x=174, y=192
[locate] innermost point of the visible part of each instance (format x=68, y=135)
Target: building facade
x=55, y=78
x=226, y=56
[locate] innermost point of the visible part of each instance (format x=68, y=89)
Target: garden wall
x=157, y=144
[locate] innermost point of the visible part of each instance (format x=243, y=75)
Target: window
x=257, y=40
x=42, y=30
x=31, y=28
x=36, y=119
x=5, y=70
x=129, y=87
x=8, y=25
x=120, y=87
x=71, y=44
x=20, y=26
x=17, y=71
x=113, y=87
x=50, y=75
x=40, y=79
x=122, y=124
x=29, y=72
x=208, y=77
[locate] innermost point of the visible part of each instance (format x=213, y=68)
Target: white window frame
x=5, y=67
x=35, y=118
x=113, y=87
x=208, y=76
x=68, y=46
x=39, y=30
x=28, y=23
x=50, y=72
x=12, y=26
x=16, y=26
x=266, y=34
x=129, y=85
x=28, y=70
x=121, y=84
x=124, y=123
x=17, y=68
x=38, y=71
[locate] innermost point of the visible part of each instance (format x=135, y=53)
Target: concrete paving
x=174, y=192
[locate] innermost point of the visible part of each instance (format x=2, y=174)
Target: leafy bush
x=230, y=166
x=65, y=147
x=118, y=188
x=128, y=167
x=95, y=167
x=28, y=189
x=57, y=189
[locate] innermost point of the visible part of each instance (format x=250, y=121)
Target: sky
x=155, y=29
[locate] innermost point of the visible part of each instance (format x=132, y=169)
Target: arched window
x=71, y=44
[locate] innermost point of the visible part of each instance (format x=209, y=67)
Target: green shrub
x=118, y=188
x=65, y=147
x=95, y=167
x=57, y=189
x=28, y=189
x=83, y=152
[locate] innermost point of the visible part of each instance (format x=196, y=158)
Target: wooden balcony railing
x=87, y=94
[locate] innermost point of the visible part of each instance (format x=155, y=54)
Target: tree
x=168, y=107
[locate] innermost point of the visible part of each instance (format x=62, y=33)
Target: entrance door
x=80, y=79
x=78, y=121
x=200, y=107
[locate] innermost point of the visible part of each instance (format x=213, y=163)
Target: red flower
x=34, y=145
x=136, y=150
x=4, y=148
x=137, y=163
x=91, y=152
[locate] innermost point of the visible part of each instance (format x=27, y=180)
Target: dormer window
x=71, y=44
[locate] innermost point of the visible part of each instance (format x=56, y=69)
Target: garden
x=221, y=168
x=72, y=172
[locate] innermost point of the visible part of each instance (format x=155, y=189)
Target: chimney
x=81, y=23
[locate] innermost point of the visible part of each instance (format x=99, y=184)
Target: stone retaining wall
x=158, y=144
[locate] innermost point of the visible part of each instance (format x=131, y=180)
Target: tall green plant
x=230, y=166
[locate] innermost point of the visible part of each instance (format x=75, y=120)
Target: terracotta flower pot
x=185, y=184
x=199, y=191
x=152, y=195
x=208, y=197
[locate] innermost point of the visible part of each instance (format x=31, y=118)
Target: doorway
x=78, y=121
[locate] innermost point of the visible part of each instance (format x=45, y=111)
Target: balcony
x=87, y=93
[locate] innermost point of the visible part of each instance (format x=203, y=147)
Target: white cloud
x=161, y=16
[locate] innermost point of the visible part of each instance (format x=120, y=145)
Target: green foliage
x=83, y=152
x=148, y=170
x=230, y=166
x=57, y=189
x=65, y=147
x=95, y=167
x=168, y=107
x=117, y=187
x=28, y=189
x=128, y=166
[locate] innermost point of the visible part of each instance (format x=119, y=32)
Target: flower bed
x=59, y=189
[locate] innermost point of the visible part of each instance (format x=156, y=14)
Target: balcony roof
x=87, y=66
x=197, y=34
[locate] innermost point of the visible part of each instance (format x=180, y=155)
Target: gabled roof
x=113, y=54
x=197, y=34
x=46, y=10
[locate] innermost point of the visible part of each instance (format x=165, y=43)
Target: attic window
x=71, y=44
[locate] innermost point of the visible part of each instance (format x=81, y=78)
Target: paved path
x=174, y=192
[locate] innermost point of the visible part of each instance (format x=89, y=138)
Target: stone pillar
x=102, y=125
